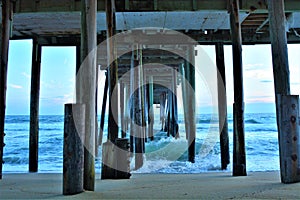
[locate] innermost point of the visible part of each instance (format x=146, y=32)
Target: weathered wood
x=4, y=42
x=182, y=69
x=289, y=139
x=151, y=109
x=103, y=109
x=191, y=104
x=280, y=64
x=170, y=113
x=136, y=110
x=222, y=106
x=88, y=86
x=162, y=102
x=116, y=161
x=34, y=106
x=73, y=150
x=239, y=155
x=112, y=71
x=279, y=46
x=122, y=112
x=175, y=127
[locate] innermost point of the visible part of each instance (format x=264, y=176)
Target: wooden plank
x=34, y=106
x=175, y=107
x=4, y=41
x=239, y=154
x=73, y=150
x=162, y=110
x=289, y=138
x=222, y=106
x=88, y=86
x=113, y=128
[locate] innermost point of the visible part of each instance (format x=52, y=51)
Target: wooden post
x=102, y=118
x=162, y=110
x=73, y=154
x=191, y=101
x=136, y=106
x=34, y=106
x=280, y=69
x=4, y=42
x=222, y=105
x=184, y=95
x=113, y=128
x=88, y=86
x=239, y=155
x=151, y=110
x=170, y=113
x=174, y=107
x=122, y=106
x=289, y=142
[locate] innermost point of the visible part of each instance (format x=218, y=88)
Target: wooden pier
x=146, y=66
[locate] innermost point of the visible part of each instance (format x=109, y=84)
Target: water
x=163, y=155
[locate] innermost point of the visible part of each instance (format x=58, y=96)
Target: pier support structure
x=87, y=84
x=190, y=103
x=34, y=106
x=282, y=87
x=222, y=106
x=4, y=42
x=239, y=154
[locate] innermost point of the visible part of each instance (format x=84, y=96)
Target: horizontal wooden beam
x=150, y=5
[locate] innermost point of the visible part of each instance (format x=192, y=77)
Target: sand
x=216, y=185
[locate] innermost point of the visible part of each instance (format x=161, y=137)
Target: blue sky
x=58, y=77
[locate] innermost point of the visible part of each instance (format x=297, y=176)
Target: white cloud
x=15, y=86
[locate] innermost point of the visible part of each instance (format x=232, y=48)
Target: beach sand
x=216, y=185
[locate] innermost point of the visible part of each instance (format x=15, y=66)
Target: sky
x=58, y=78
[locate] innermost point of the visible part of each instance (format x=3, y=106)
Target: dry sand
x=217, y=185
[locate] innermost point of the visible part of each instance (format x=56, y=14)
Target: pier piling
x=222, y=106
x=239, y=154
x=4, y=42
x=73, y=150
x=34, y=106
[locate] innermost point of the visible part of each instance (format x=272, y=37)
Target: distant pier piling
x=73, y=151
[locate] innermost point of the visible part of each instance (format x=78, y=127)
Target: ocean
x=163, y=155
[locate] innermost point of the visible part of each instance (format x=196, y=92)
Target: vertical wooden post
x=4, y=42
x=136, y=106
x=280, y=67
x=122, y=106
x=113, y=128
x=191, y=101
x=151, y=110
x=184, y=95
x=239, y=155
x=102, y=118
x=222, y=105
x=34, y=106
x=74, y=126
x=289, y=142
x=174, y=103
x=162, y=110
x=88, y=85
x=170, y=113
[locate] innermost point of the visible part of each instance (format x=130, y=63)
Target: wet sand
x=216, y=185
